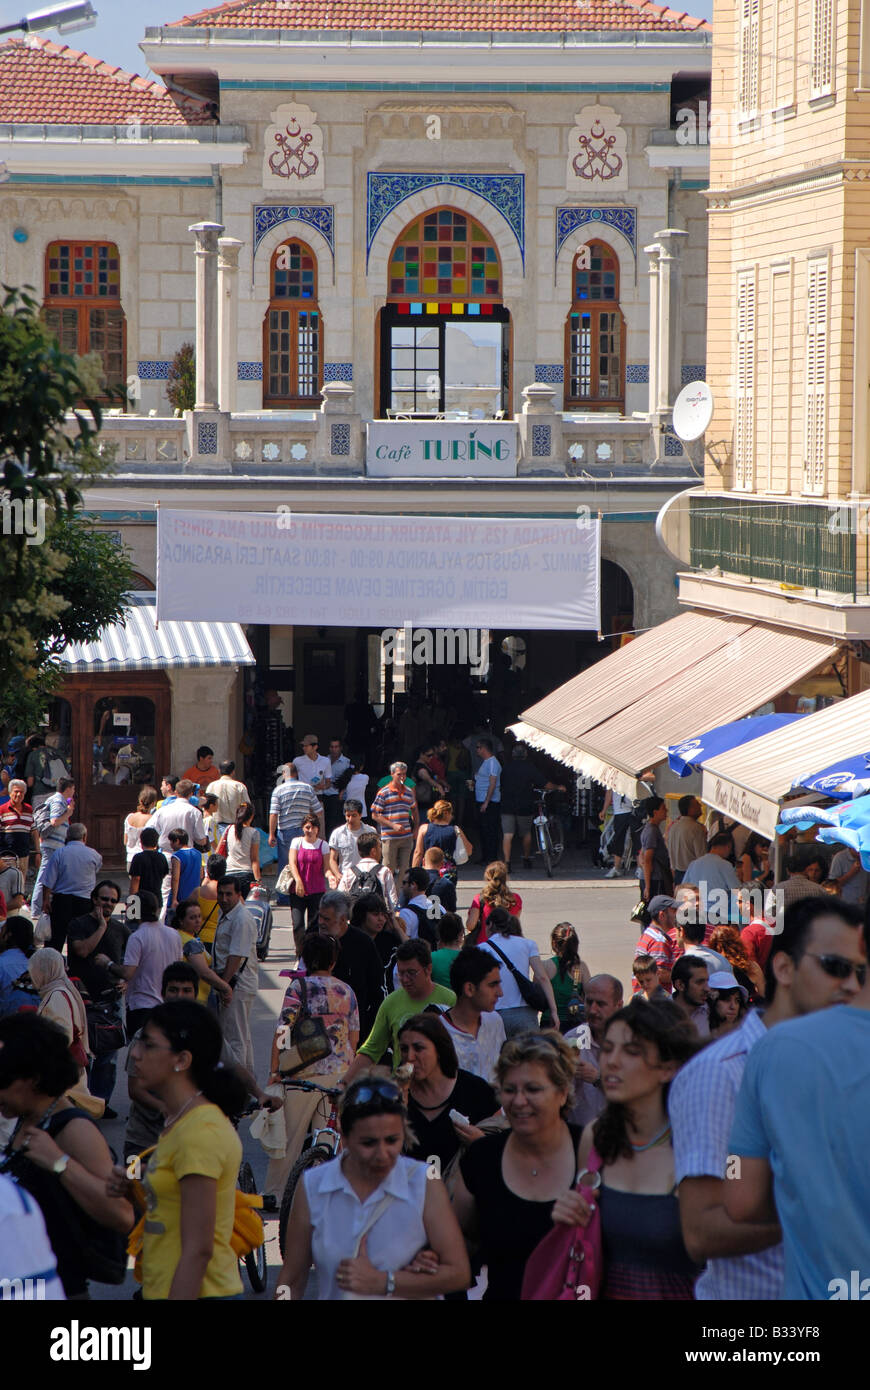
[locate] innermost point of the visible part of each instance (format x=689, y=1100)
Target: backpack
x=42, y=819
x=366, y=881
x=426, y=925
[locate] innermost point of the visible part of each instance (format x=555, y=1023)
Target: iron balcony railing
x=819, y=547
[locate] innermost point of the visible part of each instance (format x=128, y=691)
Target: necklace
x=656, y=1139
x=184, y=1107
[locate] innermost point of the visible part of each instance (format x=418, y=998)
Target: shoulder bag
x=566, y=1266
x=76, y=1047
x=531, y=991
x=460, y=853
x=309, y=1040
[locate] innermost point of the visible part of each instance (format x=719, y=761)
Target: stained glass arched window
x=595, y=331
x=444, y=255
x=293, y=329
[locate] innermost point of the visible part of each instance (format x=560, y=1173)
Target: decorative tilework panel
x=153, y=371
x=692, y=372
x=541, y=437
x=504, y=192
x=673, y=446
x=622, y=220
x=339, y=437
x=206, y=437
x=552, y=372
x=250, y=371
x=338, y=371
x=269, y=215
x=637, y=374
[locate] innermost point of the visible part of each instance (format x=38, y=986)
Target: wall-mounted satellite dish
x=693, y=411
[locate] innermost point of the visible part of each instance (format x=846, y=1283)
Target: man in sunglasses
x=96, y=944
x=801, y=1131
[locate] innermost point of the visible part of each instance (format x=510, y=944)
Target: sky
x=115, y=37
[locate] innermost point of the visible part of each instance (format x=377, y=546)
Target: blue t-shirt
x=803, y=1107
x=13, y=963
x=490, y=767
x=189, y=876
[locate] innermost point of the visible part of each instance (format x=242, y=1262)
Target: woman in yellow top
x=190, y=1179
x=215, y=869
x=188, y=923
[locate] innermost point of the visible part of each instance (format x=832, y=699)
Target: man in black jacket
x=358, y=962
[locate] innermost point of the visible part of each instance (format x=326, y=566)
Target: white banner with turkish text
x=378, y=571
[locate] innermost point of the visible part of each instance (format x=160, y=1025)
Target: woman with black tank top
x=509, y=1182
x=440, y=833
x=56, y=1153
x=644, y=1257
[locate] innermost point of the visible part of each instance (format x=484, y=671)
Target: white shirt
x=230, y=795
x=25, y=1252
x=412, y=924
x=339, y=1219
x=356, y=789
x=178, y=815
x=519, y=951
x=343, y=841
x=478, y=1055
x=313, y=770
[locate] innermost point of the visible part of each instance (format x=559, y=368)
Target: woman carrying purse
x=629, y=1149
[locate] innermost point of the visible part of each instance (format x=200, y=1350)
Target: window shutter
x=818, y=281
x=748, y=100
x=822, y=77
x=744, y=432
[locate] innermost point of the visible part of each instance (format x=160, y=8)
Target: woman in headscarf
x=60, y=1001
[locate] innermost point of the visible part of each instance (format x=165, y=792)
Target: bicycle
x=549, y=832
x=255, y=1261
x=320, y=1146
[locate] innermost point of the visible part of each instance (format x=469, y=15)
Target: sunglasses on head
x=839, y=968
x=372, y=1090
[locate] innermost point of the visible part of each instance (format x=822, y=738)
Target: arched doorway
x=595, y=332
x=444, y=335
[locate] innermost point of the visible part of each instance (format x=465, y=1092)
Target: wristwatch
x=391, y=1283
x=60, y=1164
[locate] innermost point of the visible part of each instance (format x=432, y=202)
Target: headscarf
x=60, y=1000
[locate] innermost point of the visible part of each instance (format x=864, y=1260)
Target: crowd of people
x=489, y=1097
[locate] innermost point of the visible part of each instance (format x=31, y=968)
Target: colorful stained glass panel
x=463, y=262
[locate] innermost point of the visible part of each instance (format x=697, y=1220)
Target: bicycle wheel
x=255, y=1262
x=546, y=848
x=312, y=1158
x=556, y=836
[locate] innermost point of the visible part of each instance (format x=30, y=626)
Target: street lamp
x=66, y=19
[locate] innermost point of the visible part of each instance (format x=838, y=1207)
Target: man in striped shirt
x=745, y=1260
x=292, y=801
x=394, y=809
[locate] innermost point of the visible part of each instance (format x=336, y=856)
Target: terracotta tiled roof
x=49, y=83
x=488, y=16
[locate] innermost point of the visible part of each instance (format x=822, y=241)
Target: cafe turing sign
x=459, y=449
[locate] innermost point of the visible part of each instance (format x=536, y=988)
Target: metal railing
x=807, y=545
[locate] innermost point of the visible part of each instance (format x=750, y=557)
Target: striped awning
x=138, y=644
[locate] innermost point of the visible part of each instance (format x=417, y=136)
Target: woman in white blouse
x=243, y=848
x=363, y=1218
x=137, y=820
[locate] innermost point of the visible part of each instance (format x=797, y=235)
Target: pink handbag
x=566, y=1265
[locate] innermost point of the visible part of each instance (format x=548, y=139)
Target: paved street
x=599, y=908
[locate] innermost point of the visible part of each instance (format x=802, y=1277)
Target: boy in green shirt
x=416, y=991
x=451, y=934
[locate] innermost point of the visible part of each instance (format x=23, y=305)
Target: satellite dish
x=693, y=411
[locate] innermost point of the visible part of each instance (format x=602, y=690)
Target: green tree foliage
x=60, y=580
x=181, y=390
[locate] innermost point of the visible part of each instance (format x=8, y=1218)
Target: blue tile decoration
x=622, y=220
x=338, y=371
x=269, y=215
x=541, y=436
x=692, y=372
x=153, y=371
x=637, y=374
x=673, y=446
x=250, y=371
x=552, y=372
x=505, y=192
x=339, y=441
x=206, y=437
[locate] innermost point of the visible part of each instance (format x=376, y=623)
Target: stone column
x=228, y=320
x=653, y=251
x=206, y=234
x=540, y=431
x=672, y=241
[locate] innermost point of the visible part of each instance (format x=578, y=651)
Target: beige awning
x=751, y=782
x=679, y=679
